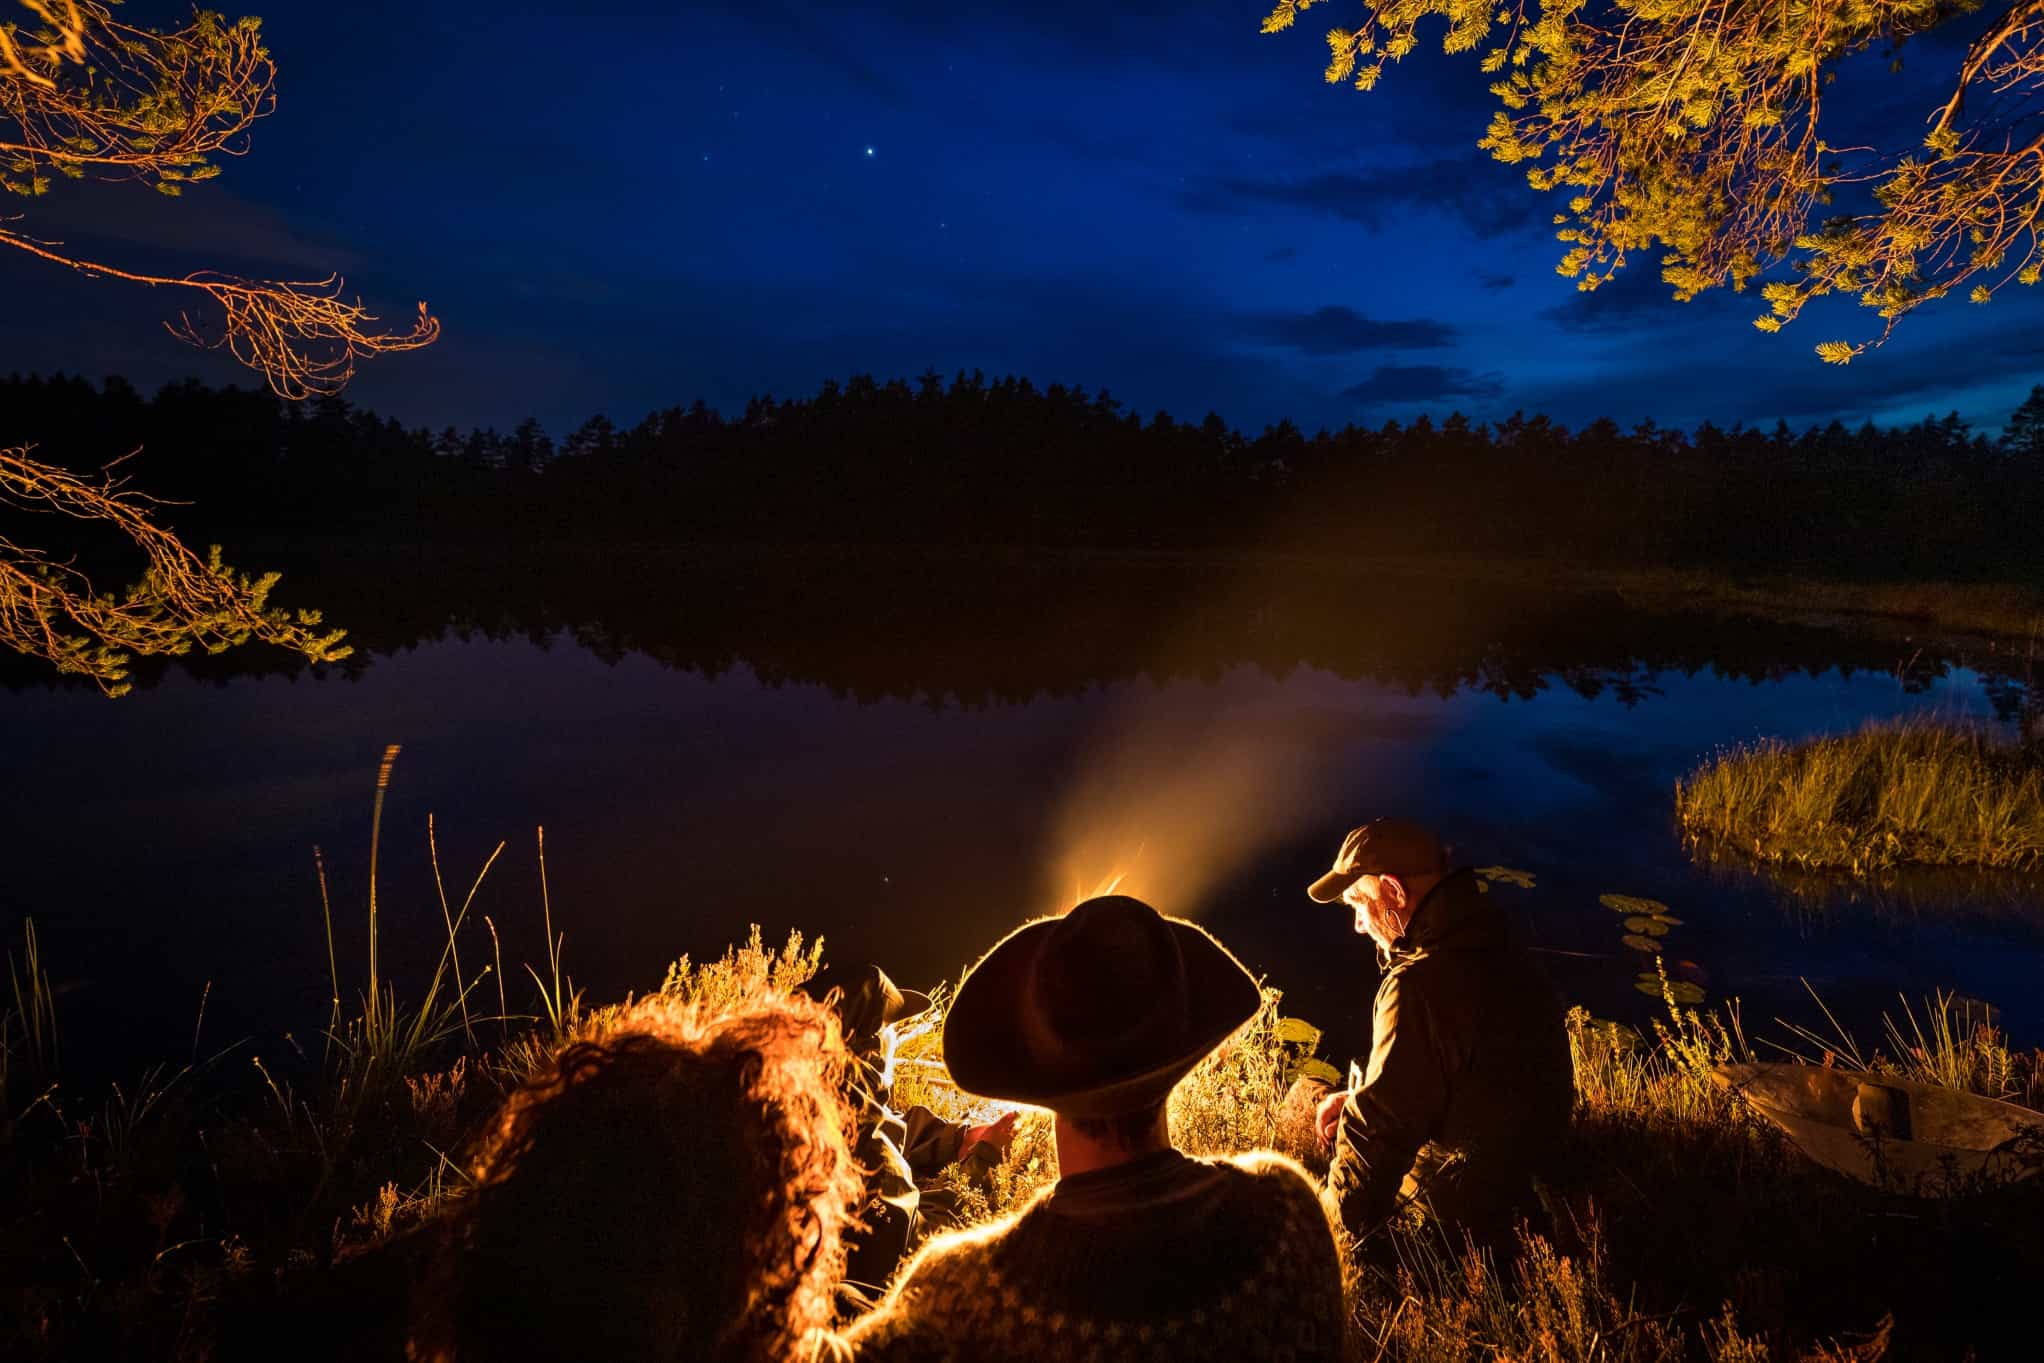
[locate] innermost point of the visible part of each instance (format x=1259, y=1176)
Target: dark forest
x=1005, y=462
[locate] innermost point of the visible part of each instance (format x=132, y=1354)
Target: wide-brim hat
x=1381, y=847
x=866, y=1000
x=1097, y=1012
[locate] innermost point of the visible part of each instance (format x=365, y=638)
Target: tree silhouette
x=2024, y=434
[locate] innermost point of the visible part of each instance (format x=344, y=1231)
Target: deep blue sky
x=617, y=208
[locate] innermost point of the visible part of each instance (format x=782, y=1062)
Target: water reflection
x=977, y=628
x=909, y=755
x=1902, y=891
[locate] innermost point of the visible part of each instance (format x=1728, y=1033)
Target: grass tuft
x=28, y=1027
x=1914, y=792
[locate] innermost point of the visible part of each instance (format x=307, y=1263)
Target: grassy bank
x=1914, y=792
x=262, y=1193
x=2009, y=610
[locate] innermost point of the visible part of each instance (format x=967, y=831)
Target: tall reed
x=28, y=1028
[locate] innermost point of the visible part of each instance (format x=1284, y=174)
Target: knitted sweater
x=1164, y=1258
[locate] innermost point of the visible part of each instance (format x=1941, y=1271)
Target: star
x=869, y=151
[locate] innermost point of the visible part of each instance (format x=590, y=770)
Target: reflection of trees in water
x=2010, y=899
x=977, y=629
x=2017, y=698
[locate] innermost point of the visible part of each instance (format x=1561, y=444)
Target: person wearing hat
x=1137, y=1251
x=1469, y=1087
x=899, y=1153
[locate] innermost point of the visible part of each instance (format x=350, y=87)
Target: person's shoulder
x=1299, y=1255
x=1278, y=1178
x=958, y=1251
x=928, y=1300
x=1265, y=1166
x=1420, y=979
x=959, y=1256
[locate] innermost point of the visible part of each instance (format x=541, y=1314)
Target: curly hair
x=674, y=1186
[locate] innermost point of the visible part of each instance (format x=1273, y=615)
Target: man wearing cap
x=1137, y=1252
x=1469, y=1087
x=898, y=1152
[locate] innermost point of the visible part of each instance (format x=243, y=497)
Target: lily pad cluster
x=1647, y=923
x=1487, y=876
x=1300, y=1040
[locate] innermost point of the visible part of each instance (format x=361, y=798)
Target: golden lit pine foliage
x=1693, y=128
x=85, y=96
x=51, y=610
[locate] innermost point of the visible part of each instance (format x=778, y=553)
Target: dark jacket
x=900, y=1154
x=1469, y=1071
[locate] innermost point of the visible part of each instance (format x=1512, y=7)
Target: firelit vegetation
x=1710, y=137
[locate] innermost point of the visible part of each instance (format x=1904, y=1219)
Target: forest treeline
x=978, y=461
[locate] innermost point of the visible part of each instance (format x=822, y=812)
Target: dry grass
x=1679, y=1228
x=1910, y=792
x=1673, y=1227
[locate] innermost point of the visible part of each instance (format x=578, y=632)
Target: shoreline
x=1994, y=612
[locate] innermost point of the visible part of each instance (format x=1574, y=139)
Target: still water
x=164, y=843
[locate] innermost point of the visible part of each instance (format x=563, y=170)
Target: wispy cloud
x=205, y=228
x=1492, y=200
x=1343, y=331
x=1418, y=383
x=1635, y=299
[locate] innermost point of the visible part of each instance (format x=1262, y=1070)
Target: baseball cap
x=1381, y=847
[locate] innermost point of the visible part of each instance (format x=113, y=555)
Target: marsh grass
x=1910, y=792
x=222, y=1192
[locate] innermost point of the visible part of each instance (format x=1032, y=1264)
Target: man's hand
x=1327, y=1119
x=996, y=1134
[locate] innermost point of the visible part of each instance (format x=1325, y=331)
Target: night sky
x=615, y=209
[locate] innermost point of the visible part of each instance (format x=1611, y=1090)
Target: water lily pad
x=1297, y=1032
x=1647, y=944
x=1633, y=904
x=1681, y=991
x=1652, y=927
x=1506, y=875
x=1319, y=1069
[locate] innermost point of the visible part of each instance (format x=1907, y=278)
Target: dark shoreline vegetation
x=278, y=1191
x=1001, y=462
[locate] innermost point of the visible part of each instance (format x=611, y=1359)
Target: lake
x=911, y=754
